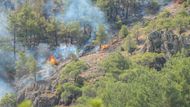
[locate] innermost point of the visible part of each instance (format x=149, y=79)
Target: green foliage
x=25, y=103
x=115, y=63
x=119, y=23
x=59, y=88
x=9, y=100
x=25, y=23
x=25, y=65
x=140, y=89
x=73, y=69
x=32, y=26
x=118, y=12
x=146, y=57
x=32, y=66
x=70, y=93
x=72, y=31
x=100, y=35
x=177, y=72
x=21, y=67
x=123, y=31
x=129, y=44
x=139, y=86
x=167, y=21
x=89, y=91
x=96, y=103
x=153, y=7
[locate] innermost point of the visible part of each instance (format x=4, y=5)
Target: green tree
x=73, y=69
x=32, y=66
x=177, y=72
x=101, y=35
x=21, y=68
x=51, y=29
x=70, y=93
x=26, y=65
x=123, y=31
x=25, y=24
x=115, y=63
x=129, y=44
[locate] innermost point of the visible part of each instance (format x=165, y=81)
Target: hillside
x=95, y=53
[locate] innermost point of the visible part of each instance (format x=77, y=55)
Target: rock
x=41, y=93
x=46, y=100
x=166, y=42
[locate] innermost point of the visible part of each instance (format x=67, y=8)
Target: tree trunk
x=14, y=42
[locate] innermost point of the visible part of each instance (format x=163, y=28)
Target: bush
x=123, y=31
x=153, y=7
x=9, y=100
x=25, y=103
x=73, y=69
x=177, y=73
x=141, y=88
x=167, y=21
x=70, y=93
x=115, y=63
x=129, y=45
x=96, y=103
x=146, y=57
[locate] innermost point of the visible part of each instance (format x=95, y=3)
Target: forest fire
x=52, y=60
x=104, y=47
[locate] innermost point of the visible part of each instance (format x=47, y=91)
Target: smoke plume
x=84, y=12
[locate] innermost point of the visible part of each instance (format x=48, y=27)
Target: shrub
x=129, y=45
x=153, y=7
x=115, y=63
x=141, y=88
x=177, y=72
x=96, y=103
x=146, y=57
x=9, y=100
x=70, y=93
x=73, y=69
x=25, y=103
x=123, y=31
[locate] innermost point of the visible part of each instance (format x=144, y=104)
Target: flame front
x=104, y=47
x=53, y=60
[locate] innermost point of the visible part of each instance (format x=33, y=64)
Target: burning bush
x=52, y=60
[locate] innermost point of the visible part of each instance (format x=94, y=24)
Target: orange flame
x=104, y=47
x=52, y=60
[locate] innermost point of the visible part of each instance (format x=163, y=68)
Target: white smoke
x=3, y=25
x=84, y=12
x=61, y=53
x=7, y=59
x=4, y=88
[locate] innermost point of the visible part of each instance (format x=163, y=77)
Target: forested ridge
x=95, y=53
